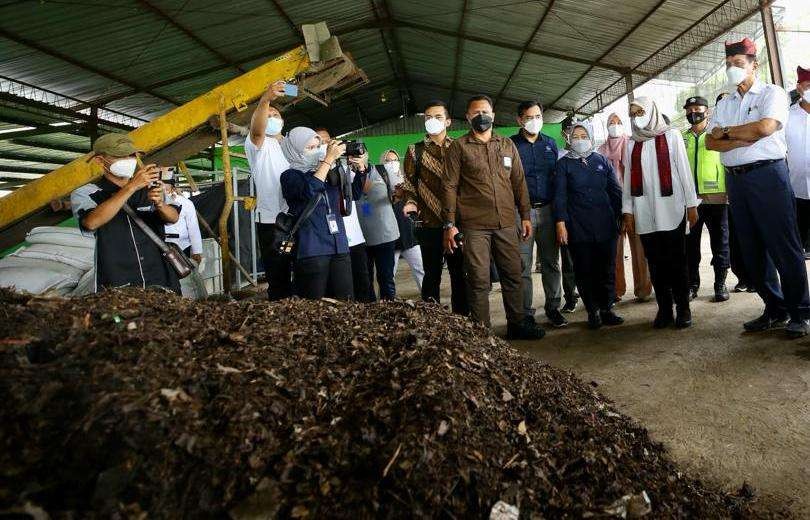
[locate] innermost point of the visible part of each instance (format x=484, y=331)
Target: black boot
x=594, y=321
x=610, y=318
x=683, y=319
x=720, y=289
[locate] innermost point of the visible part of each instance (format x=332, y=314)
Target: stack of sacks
x=57, y=260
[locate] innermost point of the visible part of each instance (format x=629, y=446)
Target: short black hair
x=526, y=105
x=438, y=103
x=480, y=97
x=322, y=129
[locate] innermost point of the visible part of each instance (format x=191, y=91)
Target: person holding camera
x=357, y=242
x=321, y=257
x=267, y=162
x=125, y=255
x=380, y=228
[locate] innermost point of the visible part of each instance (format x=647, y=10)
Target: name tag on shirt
x=507, y=162
x=331, y=221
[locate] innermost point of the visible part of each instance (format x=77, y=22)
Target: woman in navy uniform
x=587, y=209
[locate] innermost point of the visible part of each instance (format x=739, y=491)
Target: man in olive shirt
x=484, y=186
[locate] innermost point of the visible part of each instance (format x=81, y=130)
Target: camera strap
x=173, y=255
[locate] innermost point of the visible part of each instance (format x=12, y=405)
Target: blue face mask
x=274, y=126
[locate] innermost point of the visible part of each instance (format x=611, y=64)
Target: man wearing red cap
x=748, y=129
x=797, y=132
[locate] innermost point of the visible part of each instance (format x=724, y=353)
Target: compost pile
x=130, y=403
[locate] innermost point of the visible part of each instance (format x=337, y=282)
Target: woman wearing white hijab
x=322, y=265
x=659, y=198
x=406, y=246
x=587, y=208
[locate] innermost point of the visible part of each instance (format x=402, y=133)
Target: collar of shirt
x=472, y=138
x=541, y=138
x=756, y=88
x=445, y=144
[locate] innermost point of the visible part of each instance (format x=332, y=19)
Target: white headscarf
x=573, y=154
x=293, y=147
x=659, y=123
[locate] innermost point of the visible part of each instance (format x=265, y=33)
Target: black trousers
x=666, y=256
x=735, y=254
x=278, y=268
x=381, y=258
x=317, y=276
x=715, y=217
x=803, y=219
x=433, y=257
x=360, y=276
x=595, y=272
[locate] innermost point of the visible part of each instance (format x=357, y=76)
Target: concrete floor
x=730, y=406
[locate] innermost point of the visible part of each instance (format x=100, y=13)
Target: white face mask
x=392, y=168
x=322, y=152
x=533, y=126
x=736, y=75
x=806, y=96
x=124, y=168
x=274, y=126
x=614, y=130
x=642, y=121
x=433, y=126
x=580, y=145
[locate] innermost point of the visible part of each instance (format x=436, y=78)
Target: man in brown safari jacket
x=484, y=187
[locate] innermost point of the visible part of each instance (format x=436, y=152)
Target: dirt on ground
x=130, y=403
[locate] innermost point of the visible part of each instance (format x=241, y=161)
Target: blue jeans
x=381, y=257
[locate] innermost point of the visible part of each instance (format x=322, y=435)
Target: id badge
x=507, y=162
x=365, y=207
x=331, y=220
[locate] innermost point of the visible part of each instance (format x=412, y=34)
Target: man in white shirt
x=267, y=163
x=748, y=129
x=797, y=133
x=186, y=231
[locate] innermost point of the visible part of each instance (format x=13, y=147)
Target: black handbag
x=172, y=254
x=287, y=226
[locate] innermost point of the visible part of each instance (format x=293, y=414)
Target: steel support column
x=772, y=43
x=628, y=81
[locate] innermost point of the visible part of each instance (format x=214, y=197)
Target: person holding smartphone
x=125, y=255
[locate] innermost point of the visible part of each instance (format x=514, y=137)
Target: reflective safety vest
x=710, y=176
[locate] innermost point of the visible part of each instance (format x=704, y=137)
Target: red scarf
x=664, y=167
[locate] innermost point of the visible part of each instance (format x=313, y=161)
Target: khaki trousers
x=642, y=285
x=502, y=245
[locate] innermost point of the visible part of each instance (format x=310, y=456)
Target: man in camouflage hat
x=125, y=256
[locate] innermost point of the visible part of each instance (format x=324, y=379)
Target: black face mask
x=695, y=118
x=481, y=123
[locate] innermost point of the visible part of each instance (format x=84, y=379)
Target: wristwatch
x=449, y=225
x=725, y=131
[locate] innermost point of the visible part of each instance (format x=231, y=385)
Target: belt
x=172, y=235
x=744, y=168
x=538, y=205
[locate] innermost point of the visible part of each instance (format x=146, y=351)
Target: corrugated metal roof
x=141, y=57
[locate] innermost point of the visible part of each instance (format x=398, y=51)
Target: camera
x=166, y=175
x=354, y=148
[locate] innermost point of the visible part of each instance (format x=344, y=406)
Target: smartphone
x=291, y=89
x=168, y=173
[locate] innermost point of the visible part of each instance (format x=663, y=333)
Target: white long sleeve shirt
x=797, y=132
x=187, y=227
x=266, y=166
x=762, y=101
x=651, y=211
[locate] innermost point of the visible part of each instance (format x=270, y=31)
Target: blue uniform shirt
x=588, y=198
x=314, y=238
x=539, y=163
